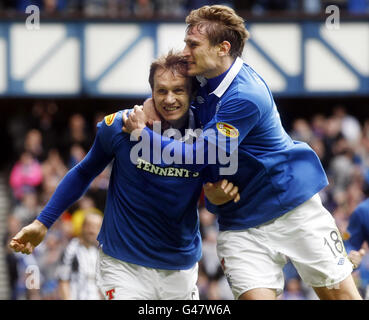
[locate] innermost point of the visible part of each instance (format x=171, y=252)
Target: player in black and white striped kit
x=77, y=271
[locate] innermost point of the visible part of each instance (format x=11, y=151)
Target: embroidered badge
x=227, y=130
x=346, y=235
x=110, y=119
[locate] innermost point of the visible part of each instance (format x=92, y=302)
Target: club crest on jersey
x=110, y=119
x=346, y=235
x=227, y=130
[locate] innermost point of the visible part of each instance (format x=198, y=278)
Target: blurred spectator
x=210, y=259
x=179, y=8
x=48, y=254
x=173, y=8
x=293, y=290
x=17, y=126
x=342, y=166
x=53, y=167
x=318, y=124
x=301, y=131
x=21, y=267
x=95, y=8
x=28, y=209
x=318, y=146
x=350, y=126
x=207, y=220
x=363, y=271
x=53, y=6
x=76, y=134
x=143, y=8
x=53, y=170
x=25, y=174
x=33, y=144
x=76, y=154
x=74, y=7
x=212, y=283
x=332, y=133
x=13, y=225
x=119, y=8
x=27, y=268
x=202, y=283
x=86, y=205
x=363, y=152
x=76, y=272
x=43, y=118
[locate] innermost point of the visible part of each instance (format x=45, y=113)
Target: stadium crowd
x=148, y=9
x=46, y=149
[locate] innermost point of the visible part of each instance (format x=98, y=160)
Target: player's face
x=171, y=94
x=202, y=57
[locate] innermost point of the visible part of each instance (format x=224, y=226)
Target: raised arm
x=70, y=189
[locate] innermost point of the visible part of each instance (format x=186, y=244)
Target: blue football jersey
x=358, y=229
x=151, y=216
x=274, y=173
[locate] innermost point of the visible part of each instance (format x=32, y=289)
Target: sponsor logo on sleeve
x=227, y=130
x=110, y=119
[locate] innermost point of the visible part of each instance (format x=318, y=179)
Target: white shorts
x=121, y=280
x=307, y=235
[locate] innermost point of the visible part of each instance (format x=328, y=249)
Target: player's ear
x=224, y=48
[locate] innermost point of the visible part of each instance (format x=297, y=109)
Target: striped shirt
x=78, y=266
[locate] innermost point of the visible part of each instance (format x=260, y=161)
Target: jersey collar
x=226, y=82
x=191, y=125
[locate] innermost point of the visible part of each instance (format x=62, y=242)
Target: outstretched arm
x=71, y=188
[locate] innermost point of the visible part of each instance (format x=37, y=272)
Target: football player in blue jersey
x=149, y=240
x=280, y=214
x=357, y=231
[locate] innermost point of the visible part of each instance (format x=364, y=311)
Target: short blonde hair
x=220, y=23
